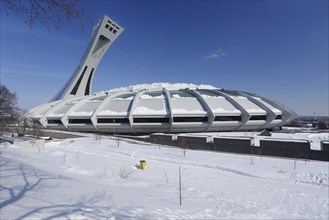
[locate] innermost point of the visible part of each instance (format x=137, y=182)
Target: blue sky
x=277, y=49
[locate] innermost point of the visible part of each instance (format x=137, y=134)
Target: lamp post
x=315, y=125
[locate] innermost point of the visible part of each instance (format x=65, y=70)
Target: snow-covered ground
x=99, y=177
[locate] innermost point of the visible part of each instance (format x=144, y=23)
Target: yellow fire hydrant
x=143, y=164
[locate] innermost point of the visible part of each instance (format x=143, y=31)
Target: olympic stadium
x=158, y=107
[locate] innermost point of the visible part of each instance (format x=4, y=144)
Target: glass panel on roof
x=125, y=96
x=153, y=95
x=180, y=94
x=88, y=106
x=45, y=110
x=208, y=93
x=63, y=109
x=73, y=102
x=100, y=98
x=249, y=93
x=230, y=92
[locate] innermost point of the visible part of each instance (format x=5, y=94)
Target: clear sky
x=277, y=49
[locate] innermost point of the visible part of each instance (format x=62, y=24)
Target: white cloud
x=216, y=54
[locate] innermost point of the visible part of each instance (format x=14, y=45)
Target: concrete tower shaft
x=80, y=82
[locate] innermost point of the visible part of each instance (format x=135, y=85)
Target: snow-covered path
x=85, y=178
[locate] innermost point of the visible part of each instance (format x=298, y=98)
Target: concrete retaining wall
x=164, y=139
x=194, y=143
x=285, y=148
x=325, y=146
x=318, y=155
x=234, y=145
x=297, y=145
x=268, y=147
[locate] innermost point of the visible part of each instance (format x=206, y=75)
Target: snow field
x=99, y=177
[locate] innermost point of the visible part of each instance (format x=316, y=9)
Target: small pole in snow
x=180, y=188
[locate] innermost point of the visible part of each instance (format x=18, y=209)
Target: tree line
x=12, y=118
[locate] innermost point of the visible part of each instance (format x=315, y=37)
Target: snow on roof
x=234, y=137
x=222, y=110
x=186, y=111
x=248, y=105
x=56, y=115
x=212, y=96
x=285, y=140
x=141, y=110
x=82, y=113
x=111, y=113
x=161, y=85
x=128, y=98
x=38, y=116
x=146, y=96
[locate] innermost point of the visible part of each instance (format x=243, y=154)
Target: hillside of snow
x=98, y=177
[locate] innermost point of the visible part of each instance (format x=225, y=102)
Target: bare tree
x=118, y=141
x=184, y=144
x=37, y=130
x=50, y=13
x=23, y=122
x=180, y=186
x=8, y=108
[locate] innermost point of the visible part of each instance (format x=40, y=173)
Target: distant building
x=321, y=122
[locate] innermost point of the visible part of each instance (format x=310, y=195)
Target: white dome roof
x=163, y=107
